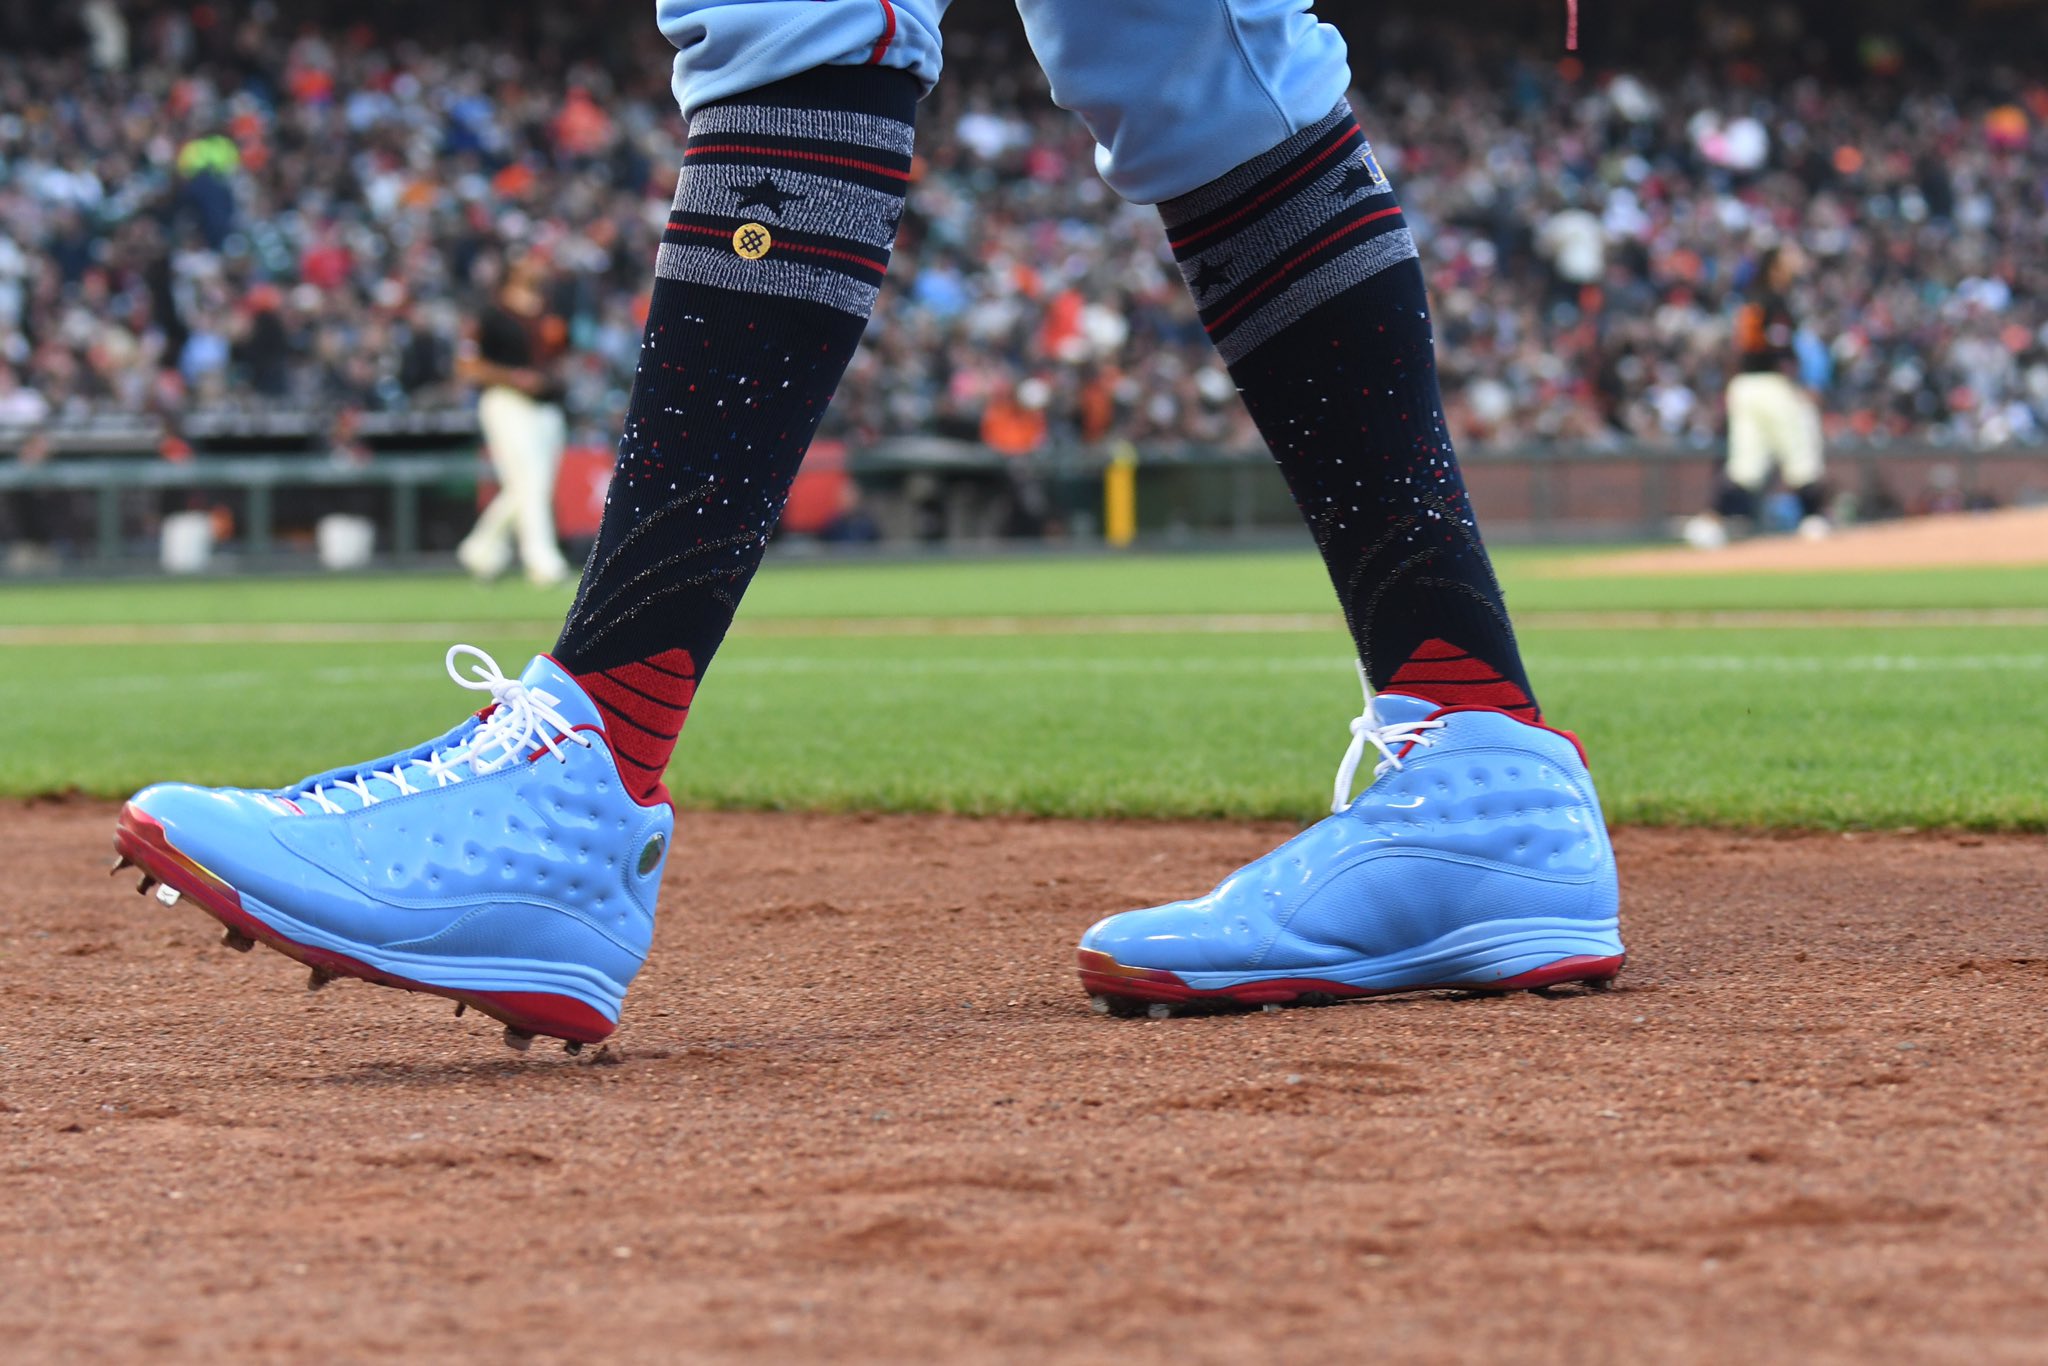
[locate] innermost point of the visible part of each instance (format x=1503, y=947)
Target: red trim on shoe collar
x=1496, y=711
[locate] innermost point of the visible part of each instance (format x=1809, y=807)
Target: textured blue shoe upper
x=532, y=852
x=1487, y=823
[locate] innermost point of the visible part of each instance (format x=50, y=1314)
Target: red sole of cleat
x=140, y=838
x=1102, y=975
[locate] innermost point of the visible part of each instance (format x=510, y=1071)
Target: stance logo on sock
x=645, y=704
x=1451, y=677
x=752, y=241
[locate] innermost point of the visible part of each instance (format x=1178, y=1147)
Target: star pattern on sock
x=764, y=193
x=1210, y=274
x=1356, y=177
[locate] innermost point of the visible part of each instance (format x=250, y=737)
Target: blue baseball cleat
x=1477, y=860
x=503, y=865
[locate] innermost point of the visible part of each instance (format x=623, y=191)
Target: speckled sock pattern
x=776, y=246
x=1310, y=287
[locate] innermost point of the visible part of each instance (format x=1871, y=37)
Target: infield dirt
x=2011, y=536
x=859, y=1111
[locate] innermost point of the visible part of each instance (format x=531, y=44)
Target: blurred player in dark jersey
x=514, y=353
x=1772, y=419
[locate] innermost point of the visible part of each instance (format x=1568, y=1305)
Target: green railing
x=257, y=478
x=1531, y=493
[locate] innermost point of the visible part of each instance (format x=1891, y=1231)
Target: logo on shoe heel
x=650, y=856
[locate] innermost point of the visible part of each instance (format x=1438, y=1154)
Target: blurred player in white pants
x=514, y=354
x=1772, y=419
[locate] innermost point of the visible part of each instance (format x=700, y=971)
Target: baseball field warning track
x=859, y=1111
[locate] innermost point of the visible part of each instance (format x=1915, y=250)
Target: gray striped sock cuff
x=799, y=203
x=1233, y=187
x=1285, y=232
x=871, y=131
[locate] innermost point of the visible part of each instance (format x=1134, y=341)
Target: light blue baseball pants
x=1176, y=92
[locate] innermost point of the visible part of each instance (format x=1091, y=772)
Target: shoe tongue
x=544, y=675
x=1392, y=708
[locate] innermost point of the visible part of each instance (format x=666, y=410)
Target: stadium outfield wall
x=934, y=493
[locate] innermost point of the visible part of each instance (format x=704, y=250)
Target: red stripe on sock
x=791, y=154
x=1287, y=267
x=1449, y=677
x=654, y=771
x=670, y=675
x=644, y=705
x=785, y=245
x=654, y=720
x=674, y=663
x=1448, y=671
x=642, y=757
x=1298, y=172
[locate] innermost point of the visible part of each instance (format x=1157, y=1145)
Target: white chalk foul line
x=1541, y=665
x=1334, y=667
x=772, y=628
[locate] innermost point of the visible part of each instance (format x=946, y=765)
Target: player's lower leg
x=1814, y=524
x=1478, y=856
x=514, y=862
x=771, y=262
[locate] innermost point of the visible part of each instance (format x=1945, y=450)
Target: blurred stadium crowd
x=210, y=207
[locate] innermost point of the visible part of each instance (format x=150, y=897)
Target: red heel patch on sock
x=645, y=704
x=1451, y=677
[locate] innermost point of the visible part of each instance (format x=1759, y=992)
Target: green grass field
x=1214, y=685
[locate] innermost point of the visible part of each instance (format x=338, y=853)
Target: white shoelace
x=1365, y=730
x=520, y=717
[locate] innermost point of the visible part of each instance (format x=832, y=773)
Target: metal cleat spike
x=1100, y=1005
x=120, y=861
x=1159, y=1010
x=317, y=978
x=517, y=1039
x=1270, y=1008
x=461, y=1009
x=144, y=883
x=572, y=1046
x=168, y=894
x=236, y=940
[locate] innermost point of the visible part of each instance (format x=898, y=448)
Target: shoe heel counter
x=641, y=872
x=1602, y=888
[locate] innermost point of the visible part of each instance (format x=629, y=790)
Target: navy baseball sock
x=1308, y=283
x=775, y=249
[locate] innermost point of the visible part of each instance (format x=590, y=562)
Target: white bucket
x=185, y=544
x=344, y=540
